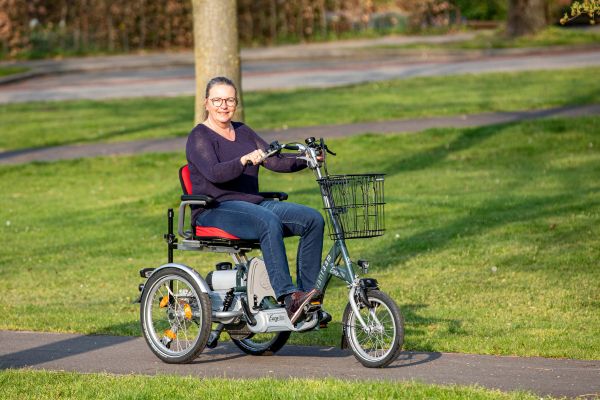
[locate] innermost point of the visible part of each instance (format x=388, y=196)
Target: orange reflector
x=164, y=302
x=170, y=334
x=187, y=311
x=315, y=303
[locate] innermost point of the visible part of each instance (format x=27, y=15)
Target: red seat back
x=184, y=179
x=201, y=231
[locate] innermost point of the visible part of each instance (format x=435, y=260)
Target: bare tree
x=526, y=17
x=216, y=48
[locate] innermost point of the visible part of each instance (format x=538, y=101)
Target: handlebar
x=275, y=147
x=311, y=152
x=314, y=152
x=292, y=146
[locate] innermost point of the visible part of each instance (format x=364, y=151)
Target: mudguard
x=190, y=271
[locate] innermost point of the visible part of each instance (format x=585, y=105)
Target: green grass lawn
x=60, y=123
x=5, y=71
x=492, y=244
x=65, y=385
x=497, y=39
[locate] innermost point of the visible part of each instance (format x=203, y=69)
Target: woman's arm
x=279, y=162
x=284, y=163
x=202, y=153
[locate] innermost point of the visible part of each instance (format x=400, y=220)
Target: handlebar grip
x=291, y=147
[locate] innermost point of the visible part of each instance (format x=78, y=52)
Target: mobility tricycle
x=178, y=307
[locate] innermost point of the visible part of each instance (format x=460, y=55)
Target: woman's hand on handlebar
x=254, y=158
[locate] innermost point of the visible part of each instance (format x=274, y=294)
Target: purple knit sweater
x=216, y=170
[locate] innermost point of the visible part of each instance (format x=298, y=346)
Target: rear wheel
x=378, y=343
x=259, y=344
x=175, y=316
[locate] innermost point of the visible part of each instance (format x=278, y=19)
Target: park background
x=493, y=237
x=40, y=28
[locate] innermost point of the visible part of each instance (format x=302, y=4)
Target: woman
x=224, y=159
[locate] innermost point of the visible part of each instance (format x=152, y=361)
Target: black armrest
x=190, y=200
x=274, y=195
x=197, y=197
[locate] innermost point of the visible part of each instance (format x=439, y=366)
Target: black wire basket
x=356, y=204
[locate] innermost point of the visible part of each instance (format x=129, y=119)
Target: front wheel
x=175, y=316
x=378, y=343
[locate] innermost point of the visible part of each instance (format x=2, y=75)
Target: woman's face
x=221, y=103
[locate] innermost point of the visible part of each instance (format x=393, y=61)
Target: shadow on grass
x=467, y=139
x=81, y=141
x=416, y=324
x=503, y=209
x=494, y=213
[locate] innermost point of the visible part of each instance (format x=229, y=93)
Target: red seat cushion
x=209, y=231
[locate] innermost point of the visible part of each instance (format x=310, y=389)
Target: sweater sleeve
x=202, y=153
x=279, y=162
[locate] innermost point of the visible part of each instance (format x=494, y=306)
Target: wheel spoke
x=171, y=321
x=374, y=342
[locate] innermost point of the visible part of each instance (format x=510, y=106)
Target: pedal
x=312, y=307
x=324, y=319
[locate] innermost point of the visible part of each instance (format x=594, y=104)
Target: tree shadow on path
x=54, y=350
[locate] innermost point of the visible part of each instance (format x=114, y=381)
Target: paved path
x=173, y=75
x=127, y=355
x=341, y=48
x=325, y=131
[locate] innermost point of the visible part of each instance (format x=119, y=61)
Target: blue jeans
x=270, y=222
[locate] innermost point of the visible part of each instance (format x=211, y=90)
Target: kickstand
x=344, y=342
x=213, y=339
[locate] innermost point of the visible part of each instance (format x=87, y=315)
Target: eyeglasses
x=230, y=101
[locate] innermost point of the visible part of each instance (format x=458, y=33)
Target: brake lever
x=322, y=146
x=273, y=149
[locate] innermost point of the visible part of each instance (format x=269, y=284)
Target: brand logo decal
x=336, y=272
x=275, y=318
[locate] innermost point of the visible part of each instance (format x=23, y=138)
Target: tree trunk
x=322, y=18
x=142, y=25
x=525, y=17
x=216, y=48
x=272, y=22
x=300, y=20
